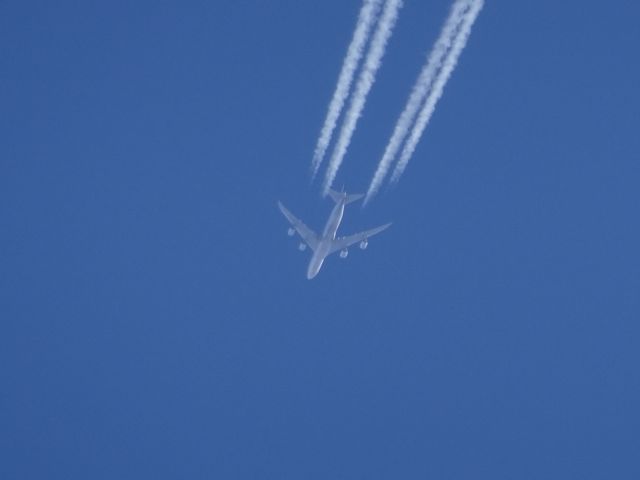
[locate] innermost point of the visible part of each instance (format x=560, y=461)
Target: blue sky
x=155, y=319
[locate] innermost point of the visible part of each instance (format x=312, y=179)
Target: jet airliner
x=327, y=243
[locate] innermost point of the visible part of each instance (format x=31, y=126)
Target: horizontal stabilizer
x=338, y=196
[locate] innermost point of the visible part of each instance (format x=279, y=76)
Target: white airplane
x=327, y=243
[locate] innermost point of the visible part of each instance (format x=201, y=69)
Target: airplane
x=327, y=243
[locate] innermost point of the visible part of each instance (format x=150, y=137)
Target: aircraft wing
x=308, y=235
x=343, y=242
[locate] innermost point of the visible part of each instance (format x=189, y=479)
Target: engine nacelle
x=363, y=244
x=343, y=253
x=291, y=231
x=302, y=247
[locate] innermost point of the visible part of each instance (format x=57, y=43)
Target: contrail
x=420, y=90
x=366, y=19
x=365, y=82
x=436, y=92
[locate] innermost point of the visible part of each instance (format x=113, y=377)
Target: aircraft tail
x=338, y=196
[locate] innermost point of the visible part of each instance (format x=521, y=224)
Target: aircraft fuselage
x=328, y=235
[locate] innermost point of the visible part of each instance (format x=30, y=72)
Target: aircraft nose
x=314, y=267
x=312, y=272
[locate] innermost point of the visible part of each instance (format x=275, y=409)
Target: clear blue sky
x=155, y=319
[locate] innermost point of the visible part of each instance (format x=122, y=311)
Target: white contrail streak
x=436, y=92
x=365, y=82
x=366, y=19
x=420, y=90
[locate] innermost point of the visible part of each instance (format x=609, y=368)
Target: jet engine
x=343, y=253
x=302, y=247
x=291, y=231
x=363, y=244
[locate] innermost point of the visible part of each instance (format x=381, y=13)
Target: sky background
x=155, y=319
